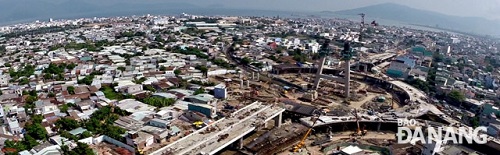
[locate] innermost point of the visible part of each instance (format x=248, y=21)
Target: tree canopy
x=158, y=101
x=456, y=96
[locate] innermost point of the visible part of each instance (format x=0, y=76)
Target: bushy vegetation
x=80, y=149
x=158, y=101
x=25, y=71
x=191, y=51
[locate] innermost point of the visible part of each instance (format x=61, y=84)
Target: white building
x=4, y=79
x=14, y=127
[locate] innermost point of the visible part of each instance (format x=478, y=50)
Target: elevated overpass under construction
x=226, y=131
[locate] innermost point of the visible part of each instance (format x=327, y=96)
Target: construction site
x=323, y=108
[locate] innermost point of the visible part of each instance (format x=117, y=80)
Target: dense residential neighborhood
x=140, y=83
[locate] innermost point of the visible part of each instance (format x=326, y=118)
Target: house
x=201, y=98
x=205, y=109
x=165, y=95
x=132, y=106
x=46, y=149
x=58, y=140
x=133, y=89
x=140, y=140
x=85, y=105
x=401, y=67
x=77, y=131
x=44, y=107
x=158, y=123
x=194, y=116
x=14, y=126
x=4, y=79
x=128, y=123
x=82, y=90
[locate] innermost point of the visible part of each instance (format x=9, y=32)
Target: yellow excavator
x=198, y=124
x=301, y=144
x=140, y=152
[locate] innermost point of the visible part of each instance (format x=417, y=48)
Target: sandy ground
x=316, y=150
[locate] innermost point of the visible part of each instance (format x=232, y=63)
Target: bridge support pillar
x=277, y=120
x=379, y=125
x=240, y=144
x=365, y=67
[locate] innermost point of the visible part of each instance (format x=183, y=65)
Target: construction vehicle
x=359, y=132
x=301, y=144
x=139, y=151
x=198, y=124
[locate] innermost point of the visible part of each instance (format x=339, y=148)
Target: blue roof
x=407, y=60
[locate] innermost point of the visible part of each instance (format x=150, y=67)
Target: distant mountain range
x=396, y=12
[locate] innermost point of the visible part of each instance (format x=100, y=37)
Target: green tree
x=163, y=68
x=203, y=69
x=121, y=68
x=30, y=142
x=37, y=118
x=51, y=94
x=71, y=66
x=456, y=96
x=64, y=108
x=159, y=101
x=36, y=130
x=67, y=124
x=246, y=61
x=140, y=80
x=80, y=149
x=86, y=134
x=87, y=80
x=199, y=91
x=150, y=88
x=177, y=72
x=7, y=65
x=71, y=89
x=47, y=76
x=474, y=122
x=24, y=81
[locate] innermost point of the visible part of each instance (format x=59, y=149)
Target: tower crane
x=362, y=26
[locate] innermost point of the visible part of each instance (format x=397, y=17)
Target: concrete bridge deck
x=238, y=125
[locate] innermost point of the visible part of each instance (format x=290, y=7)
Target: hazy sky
x=478, y=8
x=475, y=8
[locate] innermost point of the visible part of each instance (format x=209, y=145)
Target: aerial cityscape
x=243, y=85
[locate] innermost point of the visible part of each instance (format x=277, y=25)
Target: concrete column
x=358, y=66
x=240, y=143
x=379, y=125
x=277, y=120
x=241, y=83
x=320, y=69
x=258, y=76
x=253, y=75
x=347, y=78
x=365, y=67
x=248, y=83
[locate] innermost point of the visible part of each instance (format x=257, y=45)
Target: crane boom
x=302, y=141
